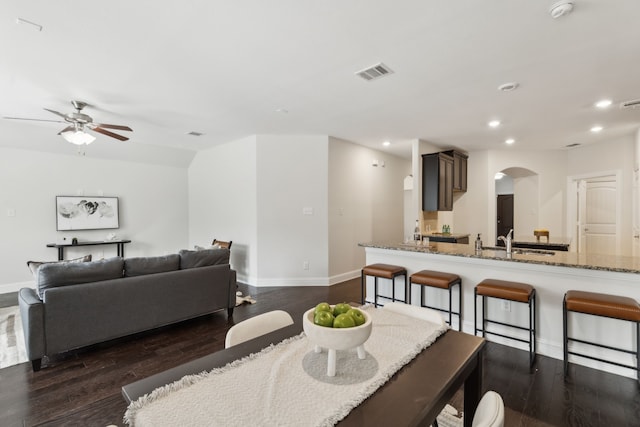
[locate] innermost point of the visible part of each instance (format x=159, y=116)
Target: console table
x=61, y=246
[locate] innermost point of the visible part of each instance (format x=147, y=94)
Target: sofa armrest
x=32, y=314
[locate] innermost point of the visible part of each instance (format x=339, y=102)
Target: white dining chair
x=490, y=411
x=415, y=311
x=257, y=326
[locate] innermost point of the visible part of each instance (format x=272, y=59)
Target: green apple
x=357, y=315
x=341, y=308
x=323, y=306
x=344, y=320
x=323, y=318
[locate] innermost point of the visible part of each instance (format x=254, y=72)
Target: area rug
x=281, y=385
x=244, y=299
x=12, y=348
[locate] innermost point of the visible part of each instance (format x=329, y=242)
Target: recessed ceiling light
x=508, y=87
x=386, y=143
x=604, y=103
x=195, y=133
x=282, y=110
x=596, y=129
x=494, y=123
x=509, y=141
x=499, y=175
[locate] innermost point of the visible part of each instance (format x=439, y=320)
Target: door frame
x=572, y=206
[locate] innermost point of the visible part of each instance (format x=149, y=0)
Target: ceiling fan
x=79, y=123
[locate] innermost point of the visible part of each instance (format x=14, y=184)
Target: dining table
x=413, y=396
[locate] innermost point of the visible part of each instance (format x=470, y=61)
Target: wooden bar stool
x=437, y=279
x=511, y=291
x=604, y=305
x=383, y=271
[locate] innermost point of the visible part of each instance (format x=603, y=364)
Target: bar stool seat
x=604, y=305
x=504, y=289
x=617, y=307
x=441, y=280
x=511, y=291
x=383, y=271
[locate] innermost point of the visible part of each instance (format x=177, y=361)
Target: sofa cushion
x=64, y=274
x=34, y=265
x=202, y=258
x=149, y=265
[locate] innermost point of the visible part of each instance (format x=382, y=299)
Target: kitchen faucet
x=507, y=240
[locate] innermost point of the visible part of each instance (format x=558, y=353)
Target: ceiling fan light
x=78, y=137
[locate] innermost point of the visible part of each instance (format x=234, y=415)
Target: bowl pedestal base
x=331, y=358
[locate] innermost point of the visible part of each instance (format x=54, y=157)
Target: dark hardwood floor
x=82, y=388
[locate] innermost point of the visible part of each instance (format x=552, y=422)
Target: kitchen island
x=552, y=273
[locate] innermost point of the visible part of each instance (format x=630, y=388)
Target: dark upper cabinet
x=437, y=182
x=459, y=170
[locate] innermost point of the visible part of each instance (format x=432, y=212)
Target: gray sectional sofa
x=79, y=304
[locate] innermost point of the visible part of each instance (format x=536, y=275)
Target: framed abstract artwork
x=86, y=213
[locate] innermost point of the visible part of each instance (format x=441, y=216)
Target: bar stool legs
x=445, y=281
x=383, y=271
x=511, y=291
x=603, y=305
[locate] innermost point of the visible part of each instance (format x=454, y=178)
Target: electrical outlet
x=305, y=265
x=505, y=305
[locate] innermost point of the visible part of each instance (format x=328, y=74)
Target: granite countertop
x=622, y=264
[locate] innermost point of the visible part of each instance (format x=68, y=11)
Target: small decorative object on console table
x=120, y=245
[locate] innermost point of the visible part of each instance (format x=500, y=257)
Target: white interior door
x=598, y=215
x=636, y=214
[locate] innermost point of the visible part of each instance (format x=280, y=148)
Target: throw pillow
x=34, y=265
x=54, y=275
x=192, y=259
x=204, y=248
x=149, y=265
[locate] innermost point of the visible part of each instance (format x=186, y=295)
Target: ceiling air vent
x=374, y=72
x=635, y=103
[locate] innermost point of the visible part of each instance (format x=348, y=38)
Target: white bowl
x=336, y=338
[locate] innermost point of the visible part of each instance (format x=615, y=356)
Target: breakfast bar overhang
x=551, y=273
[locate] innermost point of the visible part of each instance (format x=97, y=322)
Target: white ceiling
x=224, y=68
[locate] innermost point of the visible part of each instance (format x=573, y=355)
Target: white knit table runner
x=286, y=384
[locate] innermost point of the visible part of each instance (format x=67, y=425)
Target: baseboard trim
x=7, y=288
x=299, y=281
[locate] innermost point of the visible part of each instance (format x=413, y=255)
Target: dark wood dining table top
x=414, y=396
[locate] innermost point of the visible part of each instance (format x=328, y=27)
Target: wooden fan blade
x=111, y=134
x=57, y=113
x=119, y=127
x=68, y=128
x=33, y=120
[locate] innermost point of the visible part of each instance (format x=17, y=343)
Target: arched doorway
x=517, y=201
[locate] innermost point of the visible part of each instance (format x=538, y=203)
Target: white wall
x=223, y=202
x=153, y=207
x=291, y=176
x=366, y=203
x=612, y=156
x=526, y=205
x=470, y=213
x=552, y=171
